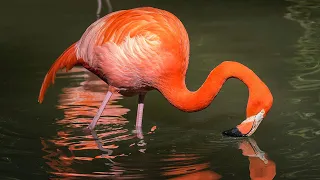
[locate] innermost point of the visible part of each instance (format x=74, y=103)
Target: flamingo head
x=247, y=127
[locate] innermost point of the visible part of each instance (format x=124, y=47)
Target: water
x=278, y=40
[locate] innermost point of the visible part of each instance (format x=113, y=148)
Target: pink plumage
x=142, y=49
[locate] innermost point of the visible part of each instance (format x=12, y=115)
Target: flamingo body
x=134, y=48
x=141, y=49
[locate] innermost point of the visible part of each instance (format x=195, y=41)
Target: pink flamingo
x=143, y=49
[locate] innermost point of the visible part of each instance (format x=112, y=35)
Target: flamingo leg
x=103, y=105
x=99, y=8
x=140, y=115
x=109, y=6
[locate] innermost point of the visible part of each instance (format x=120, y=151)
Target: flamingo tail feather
x=66, y=60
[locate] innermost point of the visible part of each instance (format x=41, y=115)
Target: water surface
x=278, y=40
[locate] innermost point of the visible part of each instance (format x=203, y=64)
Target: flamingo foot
x=247, y=127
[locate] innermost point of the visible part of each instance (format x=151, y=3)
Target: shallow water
x=278, y=40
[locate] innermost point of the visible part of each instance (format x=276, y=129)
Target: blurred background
x=279, y=40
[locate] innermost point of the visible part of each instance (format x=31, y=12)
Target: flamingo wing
x=132, y=48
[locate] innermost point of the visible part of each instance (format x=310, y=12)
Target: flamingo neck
x=177, y=94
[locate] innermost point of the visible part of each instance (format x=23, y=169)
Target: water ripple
x=308, y=45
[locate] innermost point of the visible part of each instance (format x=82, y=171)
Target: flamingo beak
x=247, y=127
x=234, y=132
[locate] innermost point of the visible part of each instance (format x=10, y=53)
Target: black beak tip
x=234, y=132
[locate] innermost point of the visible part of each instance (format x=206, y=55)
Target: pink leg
x=109, y=6
x=99, y=9
x=103, y=105
x=140, y=115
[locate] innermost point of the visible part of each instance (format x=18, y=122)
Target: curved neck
x=176, y=92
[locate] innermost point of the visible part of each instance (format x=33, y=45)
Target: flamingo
x=142, y=49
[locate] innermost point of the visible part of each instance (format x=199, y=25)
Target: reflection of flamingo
x=78, y=103
x=142, y=49
x=260, y=167
x=207, y=175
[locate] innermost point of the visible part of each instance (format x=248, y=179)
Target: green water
x=279, y=40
